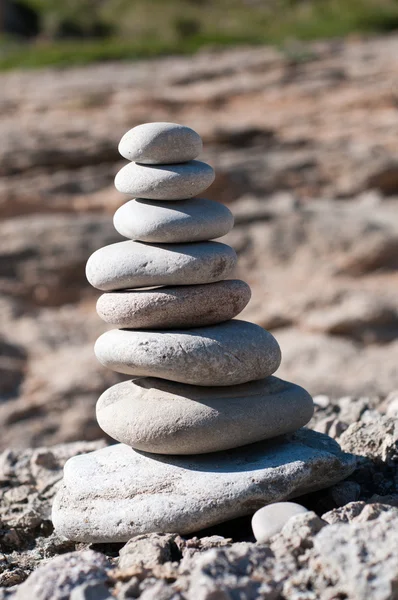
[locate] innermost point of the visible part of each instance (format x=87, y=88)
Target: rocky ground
x=344, y=548
x=305, y=147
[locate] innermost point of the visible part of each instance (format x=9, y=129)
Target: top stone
x=160, y=143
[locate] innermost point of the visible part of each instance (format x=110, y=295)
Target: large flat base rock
x=115, y=493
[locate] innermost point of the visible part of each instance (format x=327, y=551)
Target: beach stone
x=160, y=143
x=271, y=519
x=165, y=182
x=134, y=264
x=171, y=307
x=193, y=220
x=165, y=417
x=143, y=493
x=226, y=354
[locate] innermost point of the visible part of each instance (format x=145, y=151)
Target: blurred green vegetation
x=82, y=31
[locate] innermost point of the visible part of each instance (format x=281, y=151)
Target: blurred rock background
x=303, y=137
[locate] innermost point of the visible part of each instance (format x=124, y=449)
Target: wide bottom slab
x=115, y=493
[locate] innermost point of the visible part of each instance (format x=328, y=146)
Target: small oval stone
x=165, y=182
x=179, y=306
x=271, y=519
x=130, y=264
x=164, y=417
x=160, y=143
x=226, y=354
x=193, y=220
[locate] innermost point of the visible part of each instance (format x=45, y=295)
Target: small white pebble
x=271, y=519
x=160, y=143
x=392, y=408
x=322, y=401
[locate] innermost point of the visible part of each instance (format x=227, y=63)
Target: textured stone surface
x=179, y=306
x=170, y=418
x=142, y=492
x=165, y=182
x=243, y=571
x=357, y=560
x=57, y=580
x=360, y=512
x=192, y=220
x=29, y=479
x=381, y=430
x=148, y=551
x=271, y=519
x=226, y=354
x=289, y=566
x=160, y=143
x=134, y=264
x=95, y=590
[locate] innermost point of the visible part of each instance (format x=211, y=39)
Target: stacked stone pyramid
x=194, y=421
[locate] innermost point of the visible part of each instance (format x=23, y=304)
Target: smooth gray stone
x=171, y=307
x=226, y=354
x=193, y=220
x=134, y=264
x=160, y=143
x=271, y=519
x=164, y=417
x=165, y=182
x=116, y=493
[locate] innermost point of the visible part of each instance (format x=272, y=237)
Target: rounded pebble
x=193, y=220
x=179, y=306
x=164, y=417
x=165, y=182
x=226, y=354
x=271, y=519
x=133, y=264
x=160, y=143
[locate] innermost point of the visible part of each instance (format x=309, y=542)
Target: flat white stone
x=165, y=182
x=116, y=493
x=271, y=519
x=226, y=354
x=175, y=306
x=164, y=417
x=130, y=264
x=193, y=220
x=160, y=143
